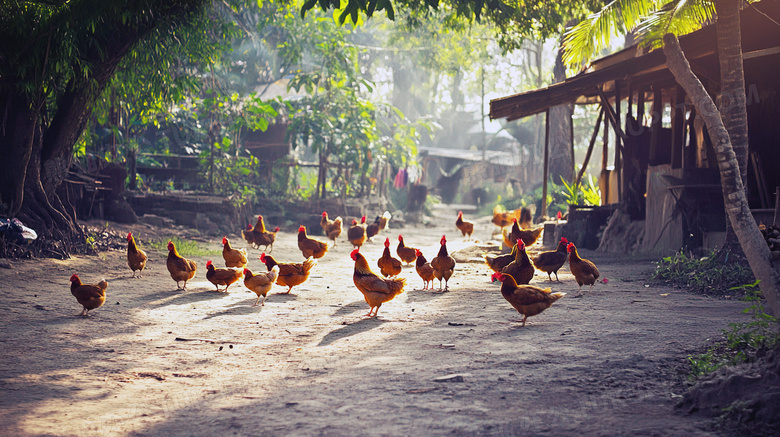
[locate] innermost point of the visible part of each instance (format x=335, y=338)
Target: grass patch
x=706, y=275
x=186, y=248
x=742, y=342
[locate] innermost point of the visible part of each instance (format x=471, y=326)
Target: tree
x=56, y=60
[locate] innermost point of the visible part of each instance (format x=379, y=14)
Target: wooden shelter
x=665, y=171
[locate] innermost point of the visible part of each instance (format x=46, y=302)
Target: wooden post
x=546, y=164
x=640, y=106
x=605, y=160
x=132, y=163
x=678, y=127
x=655, y=124
x=618, y=165
x=777, y=207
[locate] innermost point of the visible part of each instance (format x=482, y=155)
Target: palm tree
x=658, y=24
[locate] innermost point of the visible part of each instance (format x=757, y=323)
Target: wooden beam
x=640, y=106
x=591, y=145
x=605, y=157
x=546, y=160
x=612, y=117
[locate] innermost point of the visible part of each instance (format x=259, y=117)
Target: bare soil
x=156, y=361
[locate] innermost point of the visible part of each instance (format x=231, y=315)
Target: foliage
x=742, y=341
x=578, y=194
x=186, y=247
x=707, y=275
x=648, y=19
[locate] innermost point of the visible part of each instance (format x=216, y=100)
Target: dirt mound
x=745, y=398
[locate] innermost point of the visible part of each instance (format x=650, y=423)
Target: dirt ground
x=156, y=361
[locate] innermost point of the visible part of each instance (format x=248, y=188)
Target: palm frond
x=680, y=18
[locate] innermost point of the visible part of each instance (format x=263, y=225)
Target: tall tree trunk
x=750, y=238
x=561, y=162
x=732, y=101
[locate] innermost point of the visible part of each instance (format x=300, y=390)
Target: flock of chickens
x=515, y=270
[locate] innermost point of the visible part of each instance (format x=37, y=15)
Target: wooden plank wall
x=660, y=237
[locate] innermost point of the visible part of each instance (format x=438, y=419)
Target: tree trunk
x=732, y=103
x=750, y=238
x=561, y=162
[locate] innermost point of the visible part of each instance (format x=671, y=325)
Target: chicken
x=222, y=276
x=136, y=258
x=181, y=269
x=248, y=235
x=525, y=219
x=521, y=268
x=584, y=271
x=266, y=239
x=310, y=246
x=528, y=300
x=88, y=295
x=332, y=228
x=388, y=265
x=261, y=283
x=529, y=236
x=407, y=254
x=443, y=264
x=466, y=228
x=233, y=257
x=380, y=223
x=550, y=262
x=496, y=263
x=504, y=219
x=375, y=290
x=356, y=234
x=425, y=270
x=290, y=274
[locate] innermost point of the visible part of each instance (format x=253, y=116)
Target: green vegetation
x=707, y=275
x=186, y=248
x=742, y=342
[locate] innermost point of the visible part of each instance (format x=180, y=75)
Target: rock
x=156, y=221
x=118, y=210
x=453, y=377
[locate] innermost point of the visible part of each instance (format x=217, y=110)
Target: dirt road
x=155, y=361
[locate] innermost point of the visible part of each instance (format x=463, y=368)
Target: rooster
x=466, y=228
x=584, y=271
x=290, y=274
x=550, y=262
x=407, y=254
x=379, y=225
x=250, y=233
x=356, y=234
x=388, y=265
x=528, y=300
x=224, y=277
x=310, y=246
x=443, y=264
x=181, y=269
x=136, y=258
x=375, y=290
x=425, y=270
x=88, y=295
x=261, y=282
x=521, y=269
x=332, y=228
x=233, y=257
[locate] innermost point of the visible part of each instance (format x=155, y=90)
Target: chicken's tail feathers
x=309, y=263
x=498, y=209
x=557, y=295
x=396, y=285
x=338, y=220
x=103, y=284
x=274, y=273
